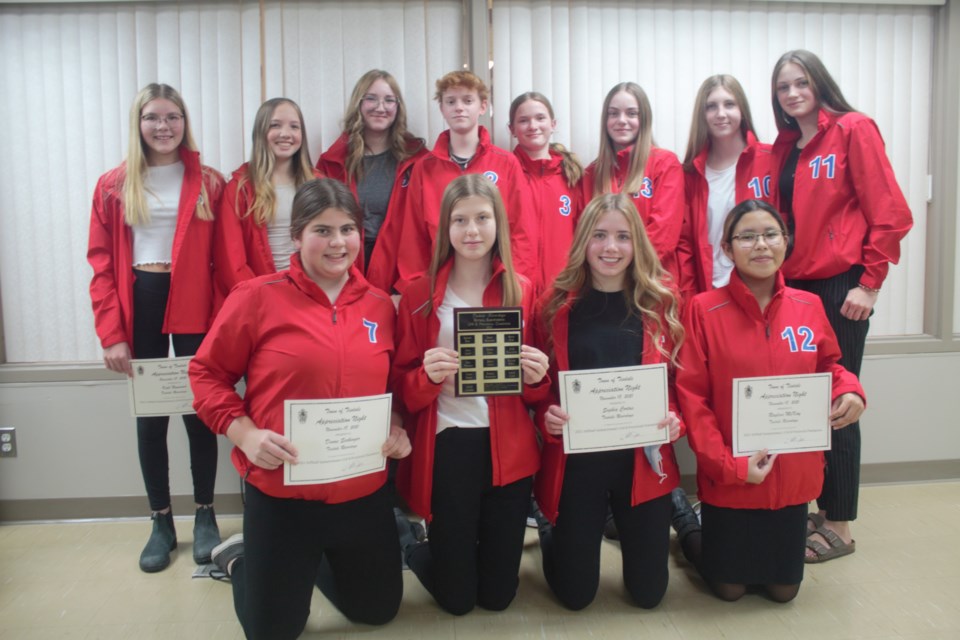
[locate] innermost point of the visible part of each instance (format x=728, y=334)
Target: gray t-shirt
x=374, y=189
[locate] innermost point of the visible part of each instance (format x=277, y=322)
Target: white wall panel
x=574, y=51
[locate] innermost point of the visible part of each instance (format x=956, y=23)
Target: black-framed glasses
x=748, y=239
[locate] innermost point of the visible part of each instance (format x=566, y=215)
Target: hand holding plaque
x=488, y=341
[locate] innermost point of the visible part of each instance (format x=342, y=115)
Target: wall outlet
x=8, y=442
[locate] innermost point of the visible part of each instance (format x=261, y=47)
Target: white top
x=278, y=231
x=465, y=412
x=722, y=198
x=153, y=242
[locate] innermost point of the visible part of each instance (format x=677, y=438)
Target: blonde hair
x=645, y=290
x=824, y=87
x=699, y=130
x=135, y=209
x=572, y=169
x=263, y=162
x=466, y=186
x=402, y=143
x=606, y=162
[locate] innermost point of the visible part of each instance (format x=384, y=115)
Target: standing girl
x=753, y=507
x=253, y=229
x=835, y=185
x=317, y=330
x=553, y=175
x=373, y=157
x=630, y=163
x=473, y=458
x=151, y=234
x=608, y=308
x=724, y=165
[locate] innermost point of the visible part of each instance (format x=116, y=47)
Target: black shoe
x=225, y=553
x=610, y=527
x=410, y=533
x=684, y=520
x=206, y=534
x=163, y=539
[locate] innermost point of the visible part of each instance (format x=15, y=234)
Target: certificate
x=487, y=340
x=160, y=387
x=783, y=414
x=618, y=408
x=336, y=439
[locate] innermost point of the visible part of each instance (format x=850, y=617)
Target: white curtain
x=71, y=71
x=573, y=51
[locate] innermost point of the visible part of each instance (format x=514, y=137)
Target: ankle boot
x=206, y=534
x=163, y=539
x=684, y=519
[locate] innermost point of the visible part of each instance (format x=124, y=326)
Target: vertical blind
x=574, y=51
x=71, y=72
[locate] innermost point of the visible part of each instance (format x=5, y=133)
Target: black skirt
x=754, y=546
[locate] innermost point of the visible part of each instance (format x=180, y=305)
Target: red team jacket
x=694, y=253
x=848, y=208
x=381, y=269
x=421, y=211
x=729, y=337
x=281, y=333
x=241, y=248
x=549, y=481
x=513, y=441
x=555, y=208
x=660, y=201
x=110, y=253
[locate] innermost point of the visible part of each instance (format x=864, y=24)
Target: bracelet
x=868, y=289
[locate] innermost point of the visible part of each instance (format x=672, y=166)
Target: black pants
x=150, y=292
x=287, y=542
x=841, y=483
x=472, y=556
x=571, y=550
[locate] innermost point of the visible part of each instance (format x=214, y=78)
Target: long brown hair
x=824, y=87
x=699, y=130
x=572, y=169
x=262, y=163
x=645, y=290
x=466, y=186
x=606, y=162
x=402, y=143
x=135, y=209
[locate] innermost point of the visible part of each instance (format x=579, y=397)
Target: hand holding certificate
x=336, y=439
x=160, y=387
x=782, y=414
x=618, y=408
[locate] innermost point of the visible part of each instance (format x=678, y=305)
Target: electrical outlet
x=8, y=442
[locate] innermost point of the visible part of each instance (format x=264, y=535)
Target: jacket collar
x=700, y=162
x=491, y=295
x=442, y=147
x=549, y=166
x=745, y=299
x=355, y=287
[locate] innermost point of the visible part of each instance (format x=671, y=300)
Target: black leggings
x=571, y=550
x=841, y=482
x=288, y=542
x=150, y=292
x=475, y=540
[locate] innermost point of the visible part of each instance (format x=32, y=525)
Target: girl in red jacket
x=753, y=507
x=253, y=229
x=629, y=162
x=553, y=176
x=473, y=458
x=835, y=185
x=317, y=330
x=724, y=165
x=609, y=307
x=373, y=156
x=151, y=233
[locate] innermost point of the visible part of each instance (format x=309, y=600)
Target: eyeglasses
x=772, y=238
x=389, y=103
x=172, y=119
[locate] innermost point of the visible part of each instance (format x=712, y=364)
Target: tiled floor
x=82, y=581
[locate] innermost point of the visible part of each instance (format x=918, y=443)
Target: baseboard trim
x=231, y=504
